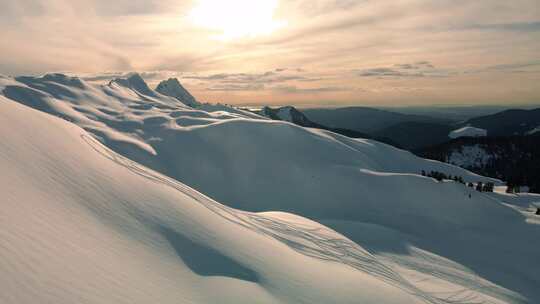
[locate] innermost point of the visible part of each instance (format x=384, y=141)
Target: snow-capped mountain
x=288, y=113
x=90, y=219
x=133, y=81
x=467, y=131
x=172, y=87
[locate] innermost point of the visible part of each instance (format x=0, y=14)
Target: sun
x=236, y=18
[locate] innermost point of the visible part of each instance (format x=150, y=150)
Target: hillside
x=293, y=115
x=98, y=227
x=415, y=135
x=82, y=224
x=514, y=158
x=508, y=123
x=363, y=119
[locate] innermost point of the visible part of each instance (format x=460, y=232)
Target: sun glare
x=236, y=18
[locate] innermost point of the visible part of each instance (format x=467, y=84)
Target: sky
x=277, y=52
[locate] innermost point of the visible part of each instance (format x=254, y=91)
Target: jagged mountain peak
x=134, y=81
x=287, y=113
x=173, y=88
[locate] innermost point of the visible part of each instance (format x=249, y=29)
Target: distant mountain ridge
x=509, y=122
x=364, y=119
x=414, y=135
x=293, y=115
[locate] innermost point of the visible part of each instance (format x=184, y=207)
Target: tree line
x=514, y=158
x=480, y=186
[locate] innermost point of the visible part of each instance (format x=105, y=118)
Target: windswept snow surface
x=82, y=224
x=150, y=238
x=468, y=132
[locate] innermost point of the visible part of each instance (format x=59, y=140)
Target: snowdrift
x=434, y=242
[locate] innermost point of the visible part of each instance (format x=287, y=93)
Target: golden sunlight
x=236, y=18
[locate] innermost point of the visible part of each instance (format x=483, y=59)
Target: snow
x=316, y=217
x=220, y=108
x=172, y=87
x=468, y=132
x=470, y=156
x=284, y=113
x=533, y=131
x=81, y=224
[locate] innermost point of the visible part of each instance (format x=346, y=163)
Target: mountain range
x=121, y=193
x=293, y=115
x=364, y=119
x=410, y=131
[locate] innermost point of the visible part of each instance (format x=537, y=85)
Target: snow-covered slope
x=453, y=244
x=468, y=132
x=82, y=224
x=219, y=108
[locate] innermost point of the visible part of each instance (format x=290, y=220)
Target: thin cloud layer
x=325, y=52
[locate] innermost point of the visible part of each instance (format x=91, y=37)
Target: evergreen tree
x=510, y=188
x=479, y=186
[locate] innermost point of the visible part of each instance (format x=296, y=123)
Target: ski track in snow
x=313, y=242
x=152, y=128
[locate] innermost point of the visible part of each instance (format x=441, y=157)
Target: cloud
x=236, y=87
x=513, y=27
x=132, y=7
x=417, y=69
x=513, y=66
x=517, y=67
x=382, y=72
x=252, y=78
x=296, y=90
x=414, y=66
x=316, y=51
x=147, y=76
